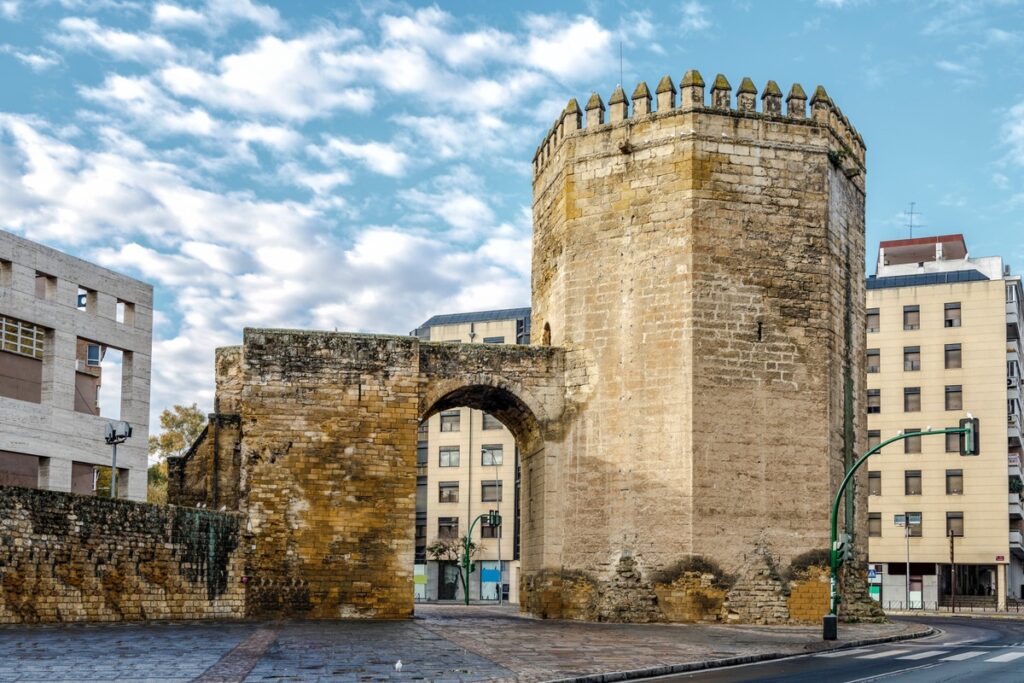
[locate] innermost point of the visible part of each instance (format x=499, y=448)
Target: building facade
x=467, y=463
x=61, y=319
x=943, y=341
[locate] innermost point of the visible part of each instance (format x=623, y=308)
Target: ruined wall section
x=70, y=558
x=199, y=478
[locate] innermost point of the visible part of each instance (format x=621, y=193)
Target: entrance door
x=490, y=579
x=448, y=585
x=916, y=592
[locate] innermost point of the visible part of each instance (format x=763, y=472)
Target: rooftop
x=472, y=317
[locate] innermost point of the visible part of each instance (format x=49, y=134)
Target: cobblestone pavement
x=444, y=643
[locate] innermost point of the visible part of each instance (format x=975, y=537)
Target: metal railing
x=969, y=607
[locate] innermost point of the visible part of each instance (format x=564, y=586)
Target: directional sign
x=872, y=574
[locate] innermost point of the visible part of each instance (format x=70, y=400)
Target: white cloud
x=576, y=48
x=1013, y=131
x=695, y=17
x=9, y=9
x=278, y=138
x=79, y=33
x=175, y=16
x=216, y=15
x=952, y=67
x=139, y=98
x=380, y=157
x=473, y=136
x=37, y=61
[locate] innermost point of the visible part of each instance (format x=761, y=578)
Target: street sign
x=872, y=574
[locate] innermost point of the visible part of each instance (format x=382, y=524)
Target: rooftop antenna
x=620, y=63
x=910, y=218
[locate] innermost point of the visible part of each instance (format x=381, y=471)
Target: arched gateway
x=694, y=400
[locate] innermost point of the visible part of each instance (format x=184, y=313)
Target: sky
x=363, y=166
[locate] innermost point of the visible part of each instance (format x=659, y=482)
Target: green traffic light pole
x=465, y=555
x=969, y=447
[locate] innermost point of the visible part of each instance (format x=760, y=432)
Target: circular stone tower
x=701, y=262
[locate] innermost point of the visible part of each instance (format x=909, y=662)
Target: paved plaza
x=443, y=643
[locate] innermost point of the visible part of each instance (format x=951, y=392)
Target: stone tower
x=701, y=263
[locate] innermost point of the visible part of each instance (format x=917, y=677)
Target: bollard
x=830, y=627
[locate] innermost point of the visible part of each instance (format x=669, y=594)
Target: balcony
x=1015, y=509
x=1017, y=543
x=1013, y=462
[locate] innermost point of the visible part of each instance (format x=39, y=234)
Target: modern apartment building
x=468, y=464
x=62, y=322
x=943, y=340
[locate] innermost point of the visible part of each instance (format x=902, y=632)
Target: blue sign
x=872, y=574
x=490, y=575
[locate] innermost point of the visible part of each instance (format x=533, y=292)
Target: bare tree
x=453, y=550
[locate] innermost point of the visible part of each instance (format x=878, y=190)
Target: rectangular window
x=874, y=438
x=447, y=527
x=954, y=397
x=954, y=524
x=125, y=313
x=449, y=456
x=21, y=337
x=874, y=524
x=85, y=300
x=911, y=317
x=874, y=483
x=953, y=356
x=952, y=443
x=912, y=358
x=422, y=428
x=450, y=420
x=952, y=315
x=1011, y=293
x=912, y=482
x=494, y=340
x=488, y=531
x=7, y=274
x=46, y=286
x=915, y=522
x=490, y=422
x=872, y=319
x=954, y=482
x=94, y=355
x=874, y=360
x=448, y=492
x=421, y=453
x=874, y=400
x=912, y=444
x=912, y=399
x=490, y=491
x=490, y=456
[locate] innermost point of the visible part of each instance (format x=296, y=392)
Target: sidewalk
x=443, y=643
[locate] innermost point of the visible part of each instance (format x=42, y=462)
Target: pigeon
x=398, y=666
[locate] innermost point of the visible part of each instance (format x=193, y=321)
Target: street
x=965, y=649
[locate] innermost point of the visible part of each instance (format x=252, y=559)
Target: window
x=911, y=358
x=449, y=456
x=448, y=492
x=124, y=313
x=490, y=491
x=874, y=400
x=873, y=360
x=953, y=356
x=93, y=355
x=422, y=428
x=85, y=300
x=874, y=483
x=21, y=337
x=912, y=444
x=954, y=397
x=912, y=482
x=491, y=422
x=494, y=340
x=954, y=524
x=911, y=317
x=954, y=482
x=421, y=453
x=1012, y=332
x=421, y=533
x=912, y=400
x=450, y=420
x=1011, y=293
x=1012, y=369
x=7, y=274
x=872, y=319
x=491, y=455
x=874, y=524
x=488, y=531
x=952, y=315
x=447, y=527
x=952, y=443
x=914, y=523
x=46, y=286
x=874, y=438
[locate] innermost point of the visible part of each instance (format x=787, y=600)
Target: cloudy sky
x=362, y=166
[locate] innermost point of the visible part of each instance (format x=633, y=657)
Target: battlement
x=823, y=111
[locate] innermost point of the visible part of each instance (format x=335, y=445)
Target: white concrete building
x=63, y=324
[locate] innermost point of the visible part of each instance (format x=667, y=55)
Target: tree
x=181, y=426
x=156, y=483
x=452, y=550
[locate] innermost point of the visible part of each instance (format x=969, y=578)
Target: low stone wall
x=66, y=558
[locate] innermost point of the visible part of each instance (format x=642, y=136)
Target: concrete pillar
x=55, y=474
x=1001, y=586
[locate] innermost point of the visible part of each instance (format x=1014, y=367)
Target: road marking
x=884, y=653
x=1008, y=657
x=964, y=655
x=925, y=655
x=845, y=653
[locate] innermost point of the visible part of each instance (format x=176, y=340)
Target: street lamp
x=116, y=432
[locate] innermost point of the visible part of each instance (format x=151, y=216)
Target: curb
x=667, y=669
x=961, y=615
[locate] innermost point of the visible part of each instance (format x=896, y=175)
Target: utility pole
x=906, y=533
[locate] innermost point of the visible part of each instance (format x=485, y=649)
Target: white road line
x=845, y=653
x=1008, y=657
x=884, y=653
x=964, y=655
x=926, y=654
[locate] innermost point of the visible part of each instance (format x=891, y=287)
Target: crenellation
x=771, y=99
x=692, y=90
x=796, y=102
x=746, y=96
x=618, y=106
x=641, y=100
x=666, y=92
x=595, y=111
x=721, y=93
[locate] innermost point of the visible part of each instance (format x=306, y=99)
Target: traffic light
x=970, y=442
x=493, y=518
x=843, y=549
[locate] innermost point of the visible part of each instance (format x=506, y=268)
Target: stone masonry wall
x=71, y=558
x=190, y=478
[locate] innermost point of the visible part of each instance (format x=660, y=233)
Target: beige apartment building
x=468, y=464
x=943, y=341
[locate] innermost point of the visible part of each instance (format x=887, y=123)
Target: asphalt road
x=965, y=649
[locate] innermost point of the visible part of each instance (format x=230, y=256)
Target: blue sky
x=363, y=166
